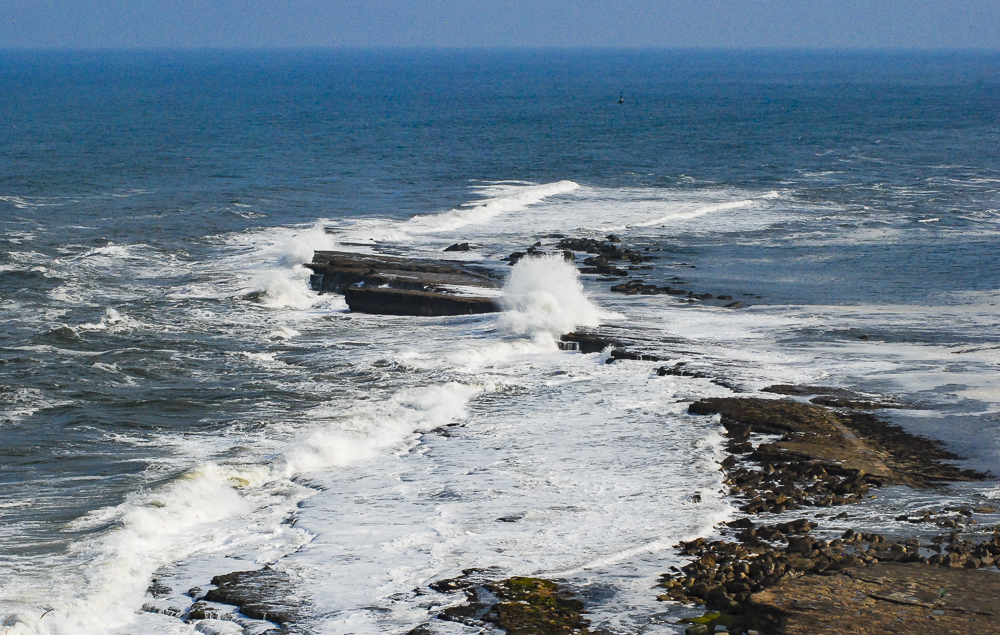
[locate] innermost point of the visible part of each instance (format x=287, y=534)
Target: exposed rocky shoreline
x=391, y=285
x=388, y=285
x=807, y=448
x=780, y=579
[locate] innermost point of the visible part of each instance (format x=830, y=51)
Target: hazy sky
x=911, y=24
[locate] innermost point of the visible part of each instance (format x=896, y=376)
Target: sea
x=177, y=403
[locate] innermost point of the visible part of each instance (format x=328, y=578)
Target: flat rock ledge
x=888, y=598
x=388, y=301
x=389, y=285
x=779, y=580
x=854, y=444
x=861, y=584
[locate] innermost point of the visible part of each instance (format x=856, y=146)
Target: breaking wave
x=545, y=296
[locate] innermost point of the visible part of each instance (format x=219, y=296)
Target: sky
x=714, y=24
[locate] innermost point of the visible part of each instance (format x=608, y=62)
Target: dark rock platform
x=390, y=285
x=859, y=584
x=389, y=301
x=887, y=598
x=841, y=443
x=264, y=594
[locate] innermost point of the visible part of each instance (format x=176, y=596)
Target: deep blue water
x=301, y=134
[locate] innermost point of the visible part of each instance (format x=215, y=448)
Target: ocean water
x=176, y=403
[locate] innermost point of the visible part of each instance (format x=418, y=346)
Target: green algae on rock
x=519, y=605
x=534, y=606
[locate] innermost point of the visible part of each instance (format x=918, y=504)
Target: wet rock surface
x=389, y=285
x=335, y=270
x=887, y=598
x=833, y=397
x=818, y=444
x=387, y=301
x=519, y=605
x=264, y=594
x=778, y=575
x=610, y=257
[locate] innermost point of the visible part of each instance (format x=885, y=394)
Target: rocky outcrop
x=839, y=443
x=886, y=598
x=857, y=584
x=519, y=605
x=334, y=271
x=833, y=397
x=779, y=579
x=389, y=285
x=388, y=301
x=623, y=342
x=265, y=594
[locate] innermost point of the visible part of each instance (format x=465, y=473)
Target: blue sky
x=731, y=24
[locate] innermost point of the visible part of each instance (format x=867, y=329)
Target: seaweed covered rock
x=519, y=605
x=532, y=606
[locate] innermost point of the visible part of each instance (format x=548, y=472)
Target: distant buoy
x=621, y=97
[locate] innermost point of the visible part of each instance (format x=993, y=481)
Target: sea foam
x=544, y=296
x=149, y=530
x=505, y=200
x=368, y=432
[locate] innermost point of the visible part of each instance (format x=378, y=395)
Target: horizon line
x=505, y=49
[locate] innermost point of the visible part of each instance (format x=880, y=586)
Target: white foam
x=285, y=288
x=151, y=530
x=284, y=333
x=369, y=431
x=545, y=296
x=22, y=402
x=111, y=320
x=502, y=199
x=697, y=212
x=598, y=462
x=512, y=214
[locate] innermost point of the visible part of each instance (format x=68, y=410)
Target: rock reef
x=389, y=285
x=519, y=605
x=389, y=301
x=779, y=579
